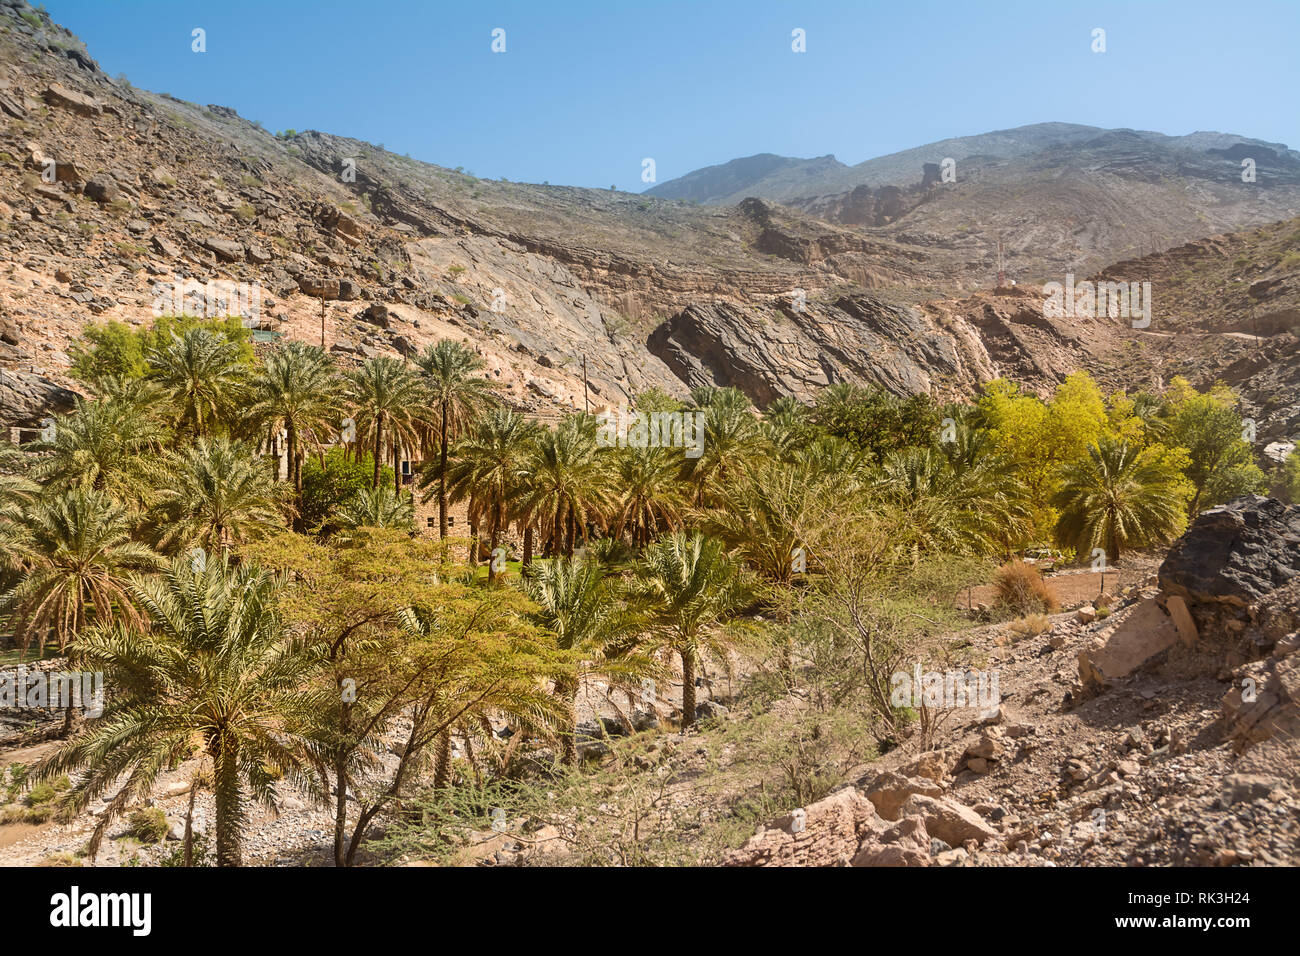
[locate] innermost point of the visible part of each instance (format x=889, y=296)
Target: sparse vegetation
x=149, y=825
x=1022, y=590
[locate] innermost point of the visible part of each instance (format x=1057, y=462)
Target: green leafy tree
x=1036, y=439
x=1291, y=477
x=111, y=350
x=332, y=481
x=116, y=351
x=1119, y=498
x=217, y=493
x=873, y=420
x=1220, y=461
x=214, y=673
x=76, y=553
x=459, y=395
x=688, y=586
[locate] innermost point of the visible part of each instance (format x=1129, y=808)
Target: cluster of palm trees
x=628, y=552
x=177, y=460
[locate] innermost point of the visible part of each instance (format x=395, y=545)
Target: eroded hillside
x=109, y=191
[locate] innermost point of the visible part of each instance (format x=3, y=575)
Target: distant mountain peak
x=726, y=182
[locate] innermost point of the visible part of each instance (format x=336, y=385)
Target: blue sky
x=585, y=90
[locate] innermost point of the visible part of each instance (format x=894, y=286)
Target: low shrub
x=149, y=825
x=1021, y=589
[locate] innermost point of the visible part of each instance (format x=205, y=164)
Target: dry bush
x=1021, y=589
x=1031, y=625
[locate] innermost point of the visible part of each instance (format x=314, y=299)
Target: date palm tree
x=297, y=389
x=204, y=378
x=731, y=433
x=380, y=507
x=951, y=508
x=390, y=404
x=17, y=492
x=577, y=604
x=76, y=554
x=648, y=492
x=566, y=483
x=486, y=469
x=759, y=508
x=1118, y=498
x=458, y=396
x=110, y=445
x=211, y=672
x=687, y=586
x=217, y=494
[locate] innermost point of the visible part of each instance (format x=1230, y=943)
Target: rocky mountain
x=766, y=175
x=111, y=195
x=1060, y=196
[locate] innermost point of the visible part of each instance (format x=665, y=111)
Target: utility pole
x=1002, y=274
x=322, y=319
x=586, y=404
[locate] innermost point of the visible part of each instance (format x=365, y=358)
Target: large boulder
x=102, y=189
x=26, y=398
x=319, y=287
x=56, y=94
x=227, y=250
x=889, y=791
x=1235, y=553
x=948, y=820
x=906, y=843
x=826, y=833
x=1139, y=636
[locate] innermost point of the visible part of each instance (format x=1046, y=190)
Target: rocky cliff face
x=109, y=194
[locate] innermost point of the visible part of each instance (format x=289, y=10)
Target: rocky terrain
x=111, y=193
x=1161, y=734
x=1060, y=195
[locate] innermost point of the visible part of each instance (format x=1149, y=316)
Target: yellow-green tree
x=1221, y=462
x=1037, y=438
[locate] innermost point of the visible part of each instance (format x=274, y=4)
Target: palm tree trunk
x=557, y=534
x=573, y=532
x=291, y=451
x=397, y=467
x=226, y=786
x=493, y=539
x=379, y=447
x=442, y=761
x=528, y=546
x=568, y=692
x=189, y=822
x=688, y=688
x=341, y=790
x=442, y=476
